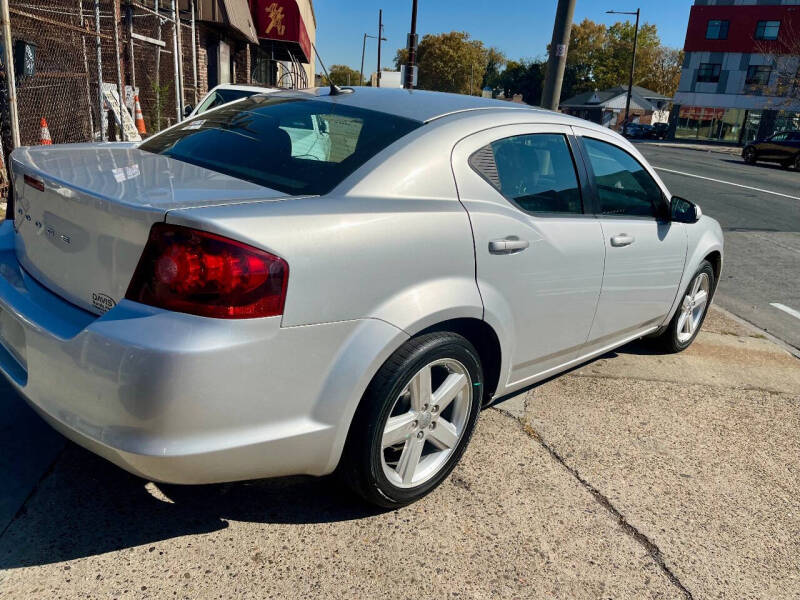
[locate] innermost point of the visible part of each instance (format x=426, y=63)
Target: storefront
x=286, y=31
x=732, y=125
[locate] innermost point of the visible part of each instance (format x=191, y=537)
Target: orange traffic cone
x=137, y=116
x=44, y=136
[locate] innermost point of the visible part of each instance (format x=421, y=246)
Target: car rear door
x=645, y=252
x=539, y=255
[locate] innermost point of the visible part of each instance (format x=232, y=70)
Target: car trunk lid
x=83, y=212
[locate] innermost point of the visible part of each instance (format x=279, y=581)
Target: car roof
x=419, y=105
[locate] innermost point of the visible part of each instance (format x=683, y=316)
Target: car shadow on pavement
x=86, y=506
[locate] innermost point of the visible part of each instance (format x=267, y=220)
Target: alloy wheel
x=693, y=307
x=426, y=423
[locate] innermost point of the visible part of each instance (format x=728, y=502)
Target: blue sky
x=520, y=28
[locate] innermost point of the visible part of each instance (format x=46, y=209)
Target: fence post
x=194, y=57
x=116, y=18
x=8, y=59
x=129, y=15
x=176, y=58
x=86, y=69
x=103, y=116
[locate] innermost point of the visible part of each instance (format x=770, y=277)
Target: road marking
x=747, y=187
x=786, y=309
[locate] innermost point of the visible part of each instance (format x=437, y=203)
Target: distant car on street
x=219, y=303
x=782, y=148
x=633, y=130
x=659, y=131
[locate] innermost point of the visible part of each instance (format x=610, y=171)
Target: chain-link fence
x=89, y=56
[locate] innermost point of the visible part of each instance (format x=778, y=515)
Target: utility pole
x=633, y=57
x=412, y=48
x=551, y=94
x=380, y=35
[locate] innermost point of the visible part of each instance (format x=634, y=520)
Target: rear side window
x=624, y=187
x=535, y=172
x=272, y=141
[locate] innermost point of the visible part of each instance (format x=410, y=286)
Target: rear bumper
x=185, y=399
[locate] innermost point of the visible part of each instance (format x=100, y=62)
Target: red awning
x=280, y=20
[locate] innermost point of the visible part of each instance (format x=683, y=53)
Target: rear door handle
x=623, y=239
x=510, y=245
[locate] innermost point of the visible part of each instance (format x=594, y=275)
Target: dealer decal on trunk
x=102, y=302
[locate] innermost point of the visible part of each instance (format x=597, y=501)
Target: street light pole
x=551, y=94
x=363, y=48
x=412, y=48
x=633, y=57
x=380, y=35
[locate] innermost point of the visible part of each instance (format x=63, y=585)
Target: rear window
x=292, y=145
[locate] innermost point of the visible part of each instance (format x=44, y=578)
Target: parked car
x=782, y=148
x=223, y=94
x=633, y=130
x=212, y=305
x=659, y=130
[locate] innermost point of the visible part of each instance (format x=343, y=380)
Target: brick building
x=741, y=73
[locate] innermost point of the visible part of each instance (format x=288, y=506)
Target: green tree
x=613, y=64
x=525, y=78
x=586, y=48
x=495, y=61
x=449, y=62
x=343, y=75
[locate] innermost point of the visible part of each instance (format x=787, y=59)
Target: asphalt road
x=762, y=230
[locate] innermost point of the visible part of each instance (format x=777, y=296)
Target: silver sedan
x=217, y=303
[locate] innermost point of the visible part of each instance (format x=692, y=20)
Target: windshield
x=296, y=146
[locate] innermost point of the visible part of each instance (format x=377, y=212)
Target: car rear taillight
x=200, y=273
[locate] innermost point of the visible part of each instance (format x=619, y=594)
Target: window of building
x=708, y=72
x=535, y=172
x=767, y=30
x=624, y=187
x=717, y=30
x=758, y=74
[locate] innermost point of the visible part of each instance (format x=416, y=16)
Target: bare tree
x=783, y=60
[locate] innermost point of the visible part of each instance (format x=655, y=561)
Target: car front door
x=539, y=255
x=645, y=252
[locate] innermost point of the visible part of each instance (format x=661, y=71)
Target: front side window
x=709, y=72
x=624, y=187
x=535, y=172
x=717, y=30
x=758, y=74
x=271, y=141
x=767, y=30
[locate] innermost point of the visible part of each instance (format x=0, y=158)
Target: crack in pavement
x=652, y=549
x=745, y=388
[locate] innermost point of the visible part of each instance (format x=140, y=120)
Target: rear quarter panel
x=391, y=242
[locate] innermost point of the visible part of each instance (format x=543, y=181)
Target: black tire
x=796, y=162
x=787, y=164
x=361, y=465
x=749, y=156
x=668, y=340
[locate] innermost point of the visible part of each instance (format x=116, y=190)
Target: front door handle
x=510, y=245
x=623, y=239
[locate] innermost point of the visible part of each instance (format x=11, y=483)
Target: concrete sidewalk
x=637, y=476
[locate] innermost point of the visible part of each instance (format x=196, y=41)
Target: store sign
x=281, y=20
x=700, y=113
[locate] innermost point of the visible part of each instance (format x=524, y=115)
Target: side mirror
x=683, y=211
x=187, y=110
